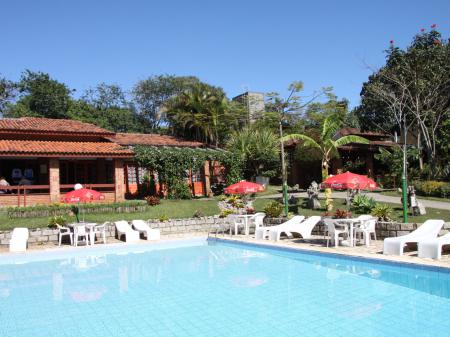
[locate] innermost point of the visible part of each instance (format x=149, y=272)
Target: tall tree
x=41, y=96
x=414, y=84
x=8, y=91
x=151, y=94
x=106, y=106
x=201, y=112
x=258, y=148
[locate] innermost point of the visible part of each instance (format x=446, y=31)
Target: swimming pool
x=195, y=288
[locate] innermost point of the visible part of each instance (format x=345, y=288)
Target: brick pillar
x=119, y=187
x=53, y=176
x=207, y=179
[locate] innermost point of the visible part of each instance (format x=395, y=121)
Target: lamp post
x=404, y=176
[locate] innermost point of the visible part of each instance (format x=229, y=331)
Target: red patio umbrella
x=244, y=187
x=82, y=195
x=349, y=180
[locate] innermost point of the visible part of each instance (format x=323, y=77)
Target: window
x=131, y=174
x=197, y=176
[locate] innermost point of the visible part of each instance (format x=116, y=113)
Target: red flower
x=422, y=29
x=433, y=25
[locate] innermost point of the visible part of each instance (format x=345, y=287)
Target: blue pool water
x=192, y=288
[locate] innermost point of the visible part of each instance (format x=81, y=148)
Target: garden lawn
x=168, y=208
x=397, y=214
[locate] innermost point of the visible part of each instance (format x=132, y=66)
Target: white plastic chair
x=429, y=230
x=142, y=227
x=19, y=240
x=335, y=230
x=64, y=231
x=101, y=230
x=235, y=223
x=123, y=228
x=366, y=228
x=258, y=220
x=80, y=231
x=432, y=248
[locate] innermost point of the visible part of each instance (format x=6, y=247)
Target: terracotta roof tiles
x=61, y=148
x=48, y=125
x=152, y=140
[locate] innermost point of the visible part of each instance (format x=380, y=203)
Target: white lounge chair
x=142, y=227
x=123, y=228
x=432, y=248
x=429, y=230
x=285, y=227
x=262, y=233
x=305, y=228
x=19, y=240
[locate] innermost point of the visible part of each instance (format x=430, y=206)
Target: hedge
x=433, y=188
x=66, y=209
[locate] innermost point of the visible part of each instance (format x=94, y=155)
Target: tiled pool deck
x=316, y=244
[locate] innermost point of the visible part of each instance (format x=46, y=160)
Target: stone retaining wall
x=209, y=224
x=175, y=226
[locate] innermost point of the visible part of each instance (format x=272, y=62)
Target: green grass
x=170, y=208
x=398, y=194
x=432, y=213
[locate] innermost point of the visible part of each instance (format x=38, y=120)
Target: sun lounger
x=432, y=248
x=142, y=227
x=19, y=240
x=429, y=230
x=286, y=227
x=263, y=232
x=304, y=228
x=123, y=228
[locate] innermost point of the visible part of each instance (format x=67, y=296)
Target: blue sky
x=238, y=45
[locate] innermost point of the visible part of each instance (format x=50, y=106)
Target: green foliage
x=163, y=218
x=153, y=93
x=363, y=204
x=432, y=188
x=225, y=213
x=56, y=220
x=412, y=89
x=8, y=91
x=171, y=164
x=258, y=148
x=382, y=212
x=202, y=112
x=198, y=214
x=41, y=96
x=179, y=189
x=66, y=209
x=273, y=209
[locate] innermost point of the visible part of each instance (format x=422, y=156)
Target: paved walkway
x=377, y=196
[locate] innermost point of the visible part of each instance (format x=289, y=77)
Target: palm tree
x=199, y=112
x=327, y=146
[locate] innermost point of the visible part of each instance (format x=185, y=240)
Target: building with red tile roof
x=50, y=156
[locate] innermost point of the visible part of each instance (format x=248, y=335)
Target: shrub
x=163, y=218
x=382, y=212
x=432, y=188
x=249, y=210
x=152, y=200
x=179, y=190
x=273, y=209
x=363, y=204
x=217, y=188
x=342, y=214
x=225, y=213
x=198, y=214
x=56, y=220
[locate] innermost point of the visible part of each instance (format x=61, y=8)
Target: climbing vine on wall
x=171, y=163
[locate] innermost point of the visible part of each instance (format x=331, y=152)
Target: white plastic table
x=350, y=223
x=89, y=226
x=245, y=217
